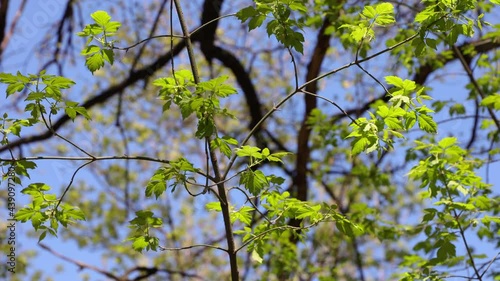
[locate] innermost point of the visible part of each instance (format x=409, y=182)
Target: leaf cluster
x=102, y=30
x=280, y=24
x=402, y=114
x=142, y=225
x=46, y=212
x=202, y=99
x=44, y=97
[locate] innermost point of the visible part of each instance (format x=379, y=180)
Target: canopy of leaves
x=254, y=139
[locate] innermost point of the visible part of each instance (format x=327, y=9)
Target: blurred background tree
x=457, y=62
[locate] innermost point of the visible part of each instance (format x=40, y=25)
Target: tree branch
x=225, y=208
x=5, y=37
x=104, y=96
x=300, y=182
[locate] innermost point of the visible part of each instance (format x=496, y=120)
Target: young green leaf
x=94, y=62
x=492, y=101
x=213, y=206
x=426, y=123
x=254, y=181
x=101, y=17
x=249, y=151
x=157, y=184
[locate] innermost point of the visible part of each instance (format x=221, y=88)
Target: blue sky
x=33, y=25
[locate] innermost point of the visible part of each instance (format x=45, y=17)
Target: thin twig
x=490, y=263
x=333, y=103
x=461, y=228
x=147, y=39
x=80, y=264
x=290, y=95
x=101, y=158
x=295, y=71
x=211, y=21
x=215, y=165
x=475, y=84
x=360, y=61
x=15, y=20
x=264, y=233
x=192, y=246
x=49, y=126
x=71, y=183
x=254, y=206
x=374, y=78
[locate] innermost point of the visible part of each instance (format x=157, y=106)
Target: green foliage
x=492, y=101
x=21, y=167
x=46, y=211
x=382, y=14
x=256, y=155
x=142, y=224
x=448, y=174
x=378, y=15
x=388, y=122
x=254, y=181
x=44, y=94
x=201, y=99
x=13, y=126
x=444, y=17
x=177, y=171
x=281, y=25
x=44, y=99
x=365, y=201
x=280, y=208
x=223, y=145
x=102, y=30
x=244, y=214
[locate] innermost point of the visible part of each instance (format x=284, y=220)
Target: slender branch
x=215, y=165
x=462, y=118
x=4, y=8
x=146, y=40
x=461, y=228
x=360, y=61
x=189, y=43
x=198, y=29
x=374, y=78
x=71, y=183
x=50, y=128
x=207, y=164
x=249, y=135
x=265, y=232
x=64, y=21
x=211, y=21
x=5, y=38
x=80, y=264
x=475, y=125
x=193, y=246
x=253, y=205
x=149, y=271
x=100, y=158
x=331, y=102
x=490, y=263
x=295, y=71
x=314, y=80
x=172, y=63
x=473, y=80
x=95, y=158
